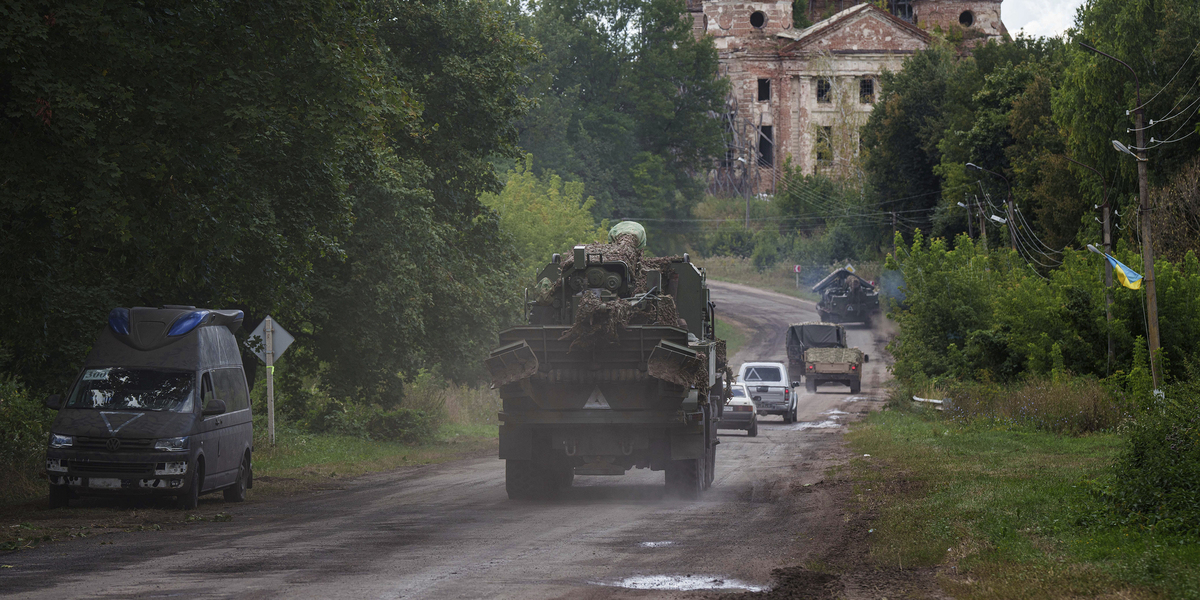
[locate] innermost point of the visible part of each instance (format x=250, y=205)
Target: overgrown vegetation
x=1006, y=511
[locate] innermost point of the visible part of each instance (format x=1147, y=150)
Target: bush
x=1056, y=404
x=24, y=425
x=1157, y=478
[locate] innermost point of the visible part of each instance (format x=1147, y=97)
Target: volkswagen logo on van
x=113, y=444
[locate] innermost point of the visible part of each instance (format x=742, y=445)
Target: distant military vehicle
x=846, y=298
x=820, y=352
x=617, y=369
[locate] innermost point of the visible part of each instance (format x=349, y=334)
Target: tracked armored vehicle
x=618, y=368
x=846, y=298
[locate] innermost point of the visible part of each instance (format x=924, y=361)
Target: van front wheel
x=190, y=497
x=237, y=491
x=60, y=496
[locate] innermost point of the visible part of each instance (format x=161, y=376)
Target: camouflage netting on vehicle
x=833, y=355
x=598, y=323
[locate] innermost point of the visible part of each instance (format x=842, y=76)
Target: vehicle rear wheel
x=795, y=413
x=753, y=431
x=60, y=496
x=523, y=480
x=237, y=491
x=855, y=386
x=189, y=498
x=788, y=415
x=685, y=477
x=710, y=468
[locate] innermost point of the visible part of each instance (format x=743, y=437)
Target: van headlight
x=178, y=444
x=61, y=441
x=55, y=465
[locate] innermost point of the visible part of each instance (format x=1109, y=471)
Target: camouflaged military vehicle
x=819, y=351
x=846, y=298
x=618, y=368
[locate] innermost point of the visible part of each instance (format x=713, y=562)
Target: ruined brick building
x=803, y=94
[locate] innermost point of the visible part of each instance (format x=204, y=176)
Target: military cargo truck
x=834, y=365
x=802, y=336
x=618, y=368
x=820, y=352
x=846, y=298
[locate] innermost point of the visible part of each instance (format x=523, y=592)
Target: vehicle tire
x=190, y=497
x=563, y=473
x=753, y=430
x=710, y=469
x=523, y=480
x=60, y=496
x=855, y=386
x=810, y=384
x=789, y=416
x=237, y=491
x=795, y=413
x=685, y=478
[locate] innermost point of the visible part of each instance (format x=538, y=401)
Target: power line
x=1177, y=72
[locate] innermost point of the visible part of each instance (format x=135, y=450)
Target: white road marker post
x=269, y=341
x=269, y=351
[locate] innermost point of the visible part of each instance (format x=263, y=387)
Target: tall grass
x=24, y=426
x=1065, y=405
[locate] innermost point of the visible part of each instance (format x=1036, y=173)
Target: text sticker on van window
x=96, y=374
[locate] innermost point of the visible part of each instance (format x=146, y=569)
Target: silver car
x=740, y=412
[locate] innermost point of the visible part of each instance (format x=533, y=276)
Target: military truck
x=820, y=352
x=618, y=368
x=846, y=298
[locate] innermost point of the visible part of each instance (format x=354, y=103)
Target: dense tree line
x=625, y=98
x=1023, y=108
x=319, y=161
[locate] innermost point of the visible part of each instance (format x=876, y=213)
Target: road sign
x=796, y=268
x=268, y=341
x=850, y=267
x=257, y=340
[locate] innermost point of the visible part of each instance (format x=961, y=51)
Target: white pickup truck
x=770, y=388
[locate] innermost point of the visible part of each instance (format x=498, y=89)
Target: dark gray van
x=161, y=407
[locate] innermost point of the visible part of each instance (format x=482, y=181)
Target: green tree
x=544, y=214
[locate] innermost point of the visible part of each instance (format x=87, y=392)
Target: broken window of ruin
x=824, y=90
x=766, y=146
x=758, y=19
x=866, y=90
x=904, y=10
x=824, y=146
x=966, y=19
x=764, y=90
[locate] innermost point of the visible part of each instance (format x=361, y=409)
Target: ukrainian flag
x=1128, y=277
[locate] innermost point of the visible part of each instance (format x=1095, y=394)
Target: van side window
x=206, y=390
x=231, y=387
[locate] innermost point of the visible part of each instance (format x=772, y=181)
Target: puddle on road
x=682, y=583
x=835, y=412
x=655, y=544
x=830, y=424
x=856, y=398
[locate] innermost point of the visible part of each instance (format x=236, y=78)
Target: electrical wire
x=1177, y=72
x=1029, y=227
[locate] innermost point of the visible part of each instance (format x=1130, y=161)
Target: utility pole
x=1012, y=233
x=966, y=203
x=1143, y=211
x=894, y=233
x=1106, y=269
x=982, y=224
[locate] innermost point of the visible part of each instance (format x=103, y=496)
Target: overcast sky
x=1038, y=17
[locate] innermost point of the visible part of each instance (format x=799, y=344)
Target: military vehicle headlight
x=61, y=441
x=178, y=444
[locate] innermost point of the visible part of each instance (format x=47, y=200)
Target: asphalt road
x=449, y=531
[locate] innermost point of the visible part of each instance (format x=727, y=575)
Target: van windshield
x=134, y=389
